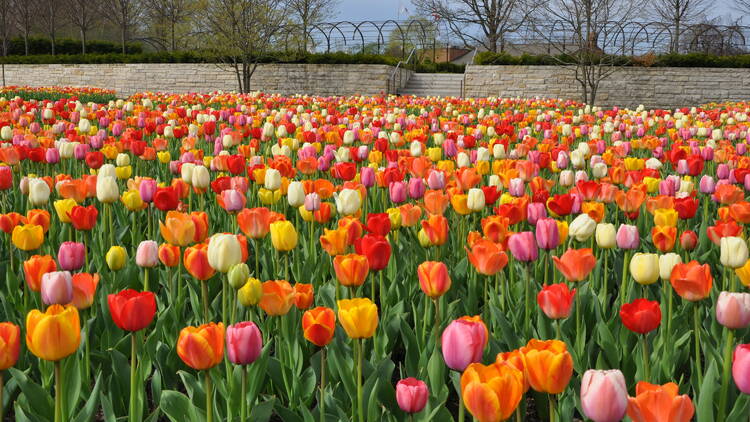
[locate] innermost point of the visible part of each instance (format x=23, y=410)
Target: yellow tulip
x=28, y=237
x=358, y=316
x=63, y=208
x=116, y=258
x=666, y=217
x=283, y=236
x=132, y=200
x=54, y=334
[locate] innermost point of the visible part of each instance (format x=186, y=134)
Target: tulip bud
x=57, y=288
x=116, y=258
x=667, y=263
x=411, y=395
x=147, y=254
x=71, y=256
x=556, y=300
x=224, y=251
x=733, y=310
x=238, y=275
x=734, y=252
x=251, y=293
x=627, y=237
x=644, y=268
x=741, y=367
x=296, y=194
x=244, y=343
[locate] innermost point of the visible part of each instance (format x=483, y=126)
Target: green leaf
x=177, y=407
x=705, y=409
x=39, y=399
x=72, y=390
x=263, y=411
x=87, y=413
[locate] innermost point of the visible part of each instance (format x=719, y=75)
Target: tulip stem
x=133, y=385
x=461, y=410
x=646, y=358
x=527, y=306
x=204, y=294
x=624, y=283
x=557, y=330
x=111, y=227
x=209, y=397
x=552, y=403
x=360, y=411
x=2, y=413
x=725, y=376
x=58, y=392
x=697, y=335
x=322, y=404
x=145, y=279
x=605, y=252
x=437, y=317
x=243, y=395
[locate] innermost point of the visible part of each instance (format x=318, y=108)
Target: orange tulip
x=487, y=257
x=319, y=325
x=691, y=280
x=84, y=288
x=200, y=221
x=595, y=210
x=304, y=295
x=631, y=201
x=491, y=393
x=740, y=212
x=351, y=270
x=575, y=264
x=436, y=201
x=436, y=229
x=410, y=214
x=10, y=344
x=495, y=228
x=201, y=347
x=178, y=228
x=73, y=189
x=278, y=297
x=39, y=217
x=195, y=261
x=334, y=242
x=169, y=255
x=255, y=222
x=515, y=359
x=433, y=278
x=460, y=204
x=664, y=237
x=548, y=365
x=10, y=220
x=659, y=403
x=35, y=267
x=728, y=194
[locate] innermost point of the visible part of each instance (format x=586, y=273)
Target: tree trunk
x=173, y=31
x=676, y=46
x=26, y=42
x=83, y=41
x=122, y=36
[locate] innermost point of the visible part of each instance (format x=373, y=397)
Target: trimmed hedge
x=64, y=46
x=664, y=60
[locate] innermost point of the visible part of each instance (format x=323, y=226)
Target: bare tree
x=169, y=14
x=589, y=27
x=742, y=6
x=309, y=12
x=6, y=23
x=50, y=14
x=677, y=14
x=83, y=15
x=23, y=16
x=480, y=22
x=124, y=14
x=241, y=31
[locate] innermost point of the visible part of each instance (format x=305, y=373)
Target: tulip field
x=227, y=257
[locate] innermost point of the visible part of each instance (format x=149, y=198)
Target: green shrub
x=664, y=60
x=64, y=46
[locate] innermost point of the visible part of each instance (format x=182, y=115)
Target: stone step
x=434, y=84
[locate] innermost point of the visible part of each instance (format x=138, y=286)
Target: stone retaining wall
x=626, y=87
x=126, y=79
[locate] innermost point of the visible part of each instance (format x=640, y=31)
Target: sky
x=358, y=10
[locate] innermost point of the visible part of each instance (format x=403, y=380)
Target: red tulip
x=132, y=310
x=379, y=224
x=556, y=300
x=377, y=250
x=641, y=315
x=166, y=199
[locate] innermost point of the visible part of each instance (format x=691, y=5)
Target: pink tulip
x=741, y=367
x=416, y=188
x=627, y=237
x=233, y=200
x=244, y=343
x=733, y=310
x=463, y=342
x=707, y=184
x=523, y=246
x=57, y=288
x=535, y=211
x=412, y=395
x=367, y=176
x=147, y=189
x=397, y=192
x=71, y=256
x=52, y=155
x=547, y=233
x=517, y=187
x=312, y=202
x=604, y=395
x=147, y=254
x=436, y=180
